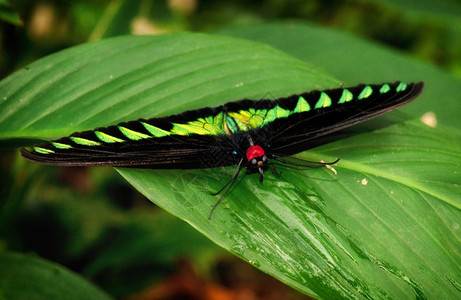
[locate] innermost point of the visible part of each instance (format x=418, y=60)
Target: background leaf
x=7, y=14
x=25, y=277
x=444, y=12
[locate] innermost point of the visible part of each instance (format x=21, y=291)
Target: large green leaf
x=25, y=277
x=386, y=226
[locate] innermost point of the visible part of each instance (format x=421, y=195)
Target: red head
x=257, y=159
x=254, y=152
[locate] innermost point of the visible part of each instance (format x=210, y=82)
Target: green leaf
x=443, y=12
x=386, y=226
x=26, y=277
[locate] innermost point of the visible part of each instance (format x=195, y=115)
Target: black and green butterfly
x=245, y=133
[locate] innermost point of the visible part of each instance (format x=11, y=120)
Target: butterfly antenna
x=226, y=187
x=303, y=162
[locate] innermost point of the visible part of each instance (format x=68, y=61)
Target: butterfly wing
x=141, y=143
x=334, y=110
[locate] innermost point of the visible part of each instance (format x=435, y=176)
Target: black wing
x=297, y=132
x=168, y=152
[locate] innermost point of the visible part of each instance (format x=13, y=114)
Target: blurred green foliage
x=428, y=29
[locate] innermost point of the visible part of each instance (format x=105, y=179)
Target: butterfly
x=247, y=133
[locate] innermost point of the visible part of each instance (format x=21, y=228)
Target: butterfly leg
x=278, y=174
x=226, y=187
